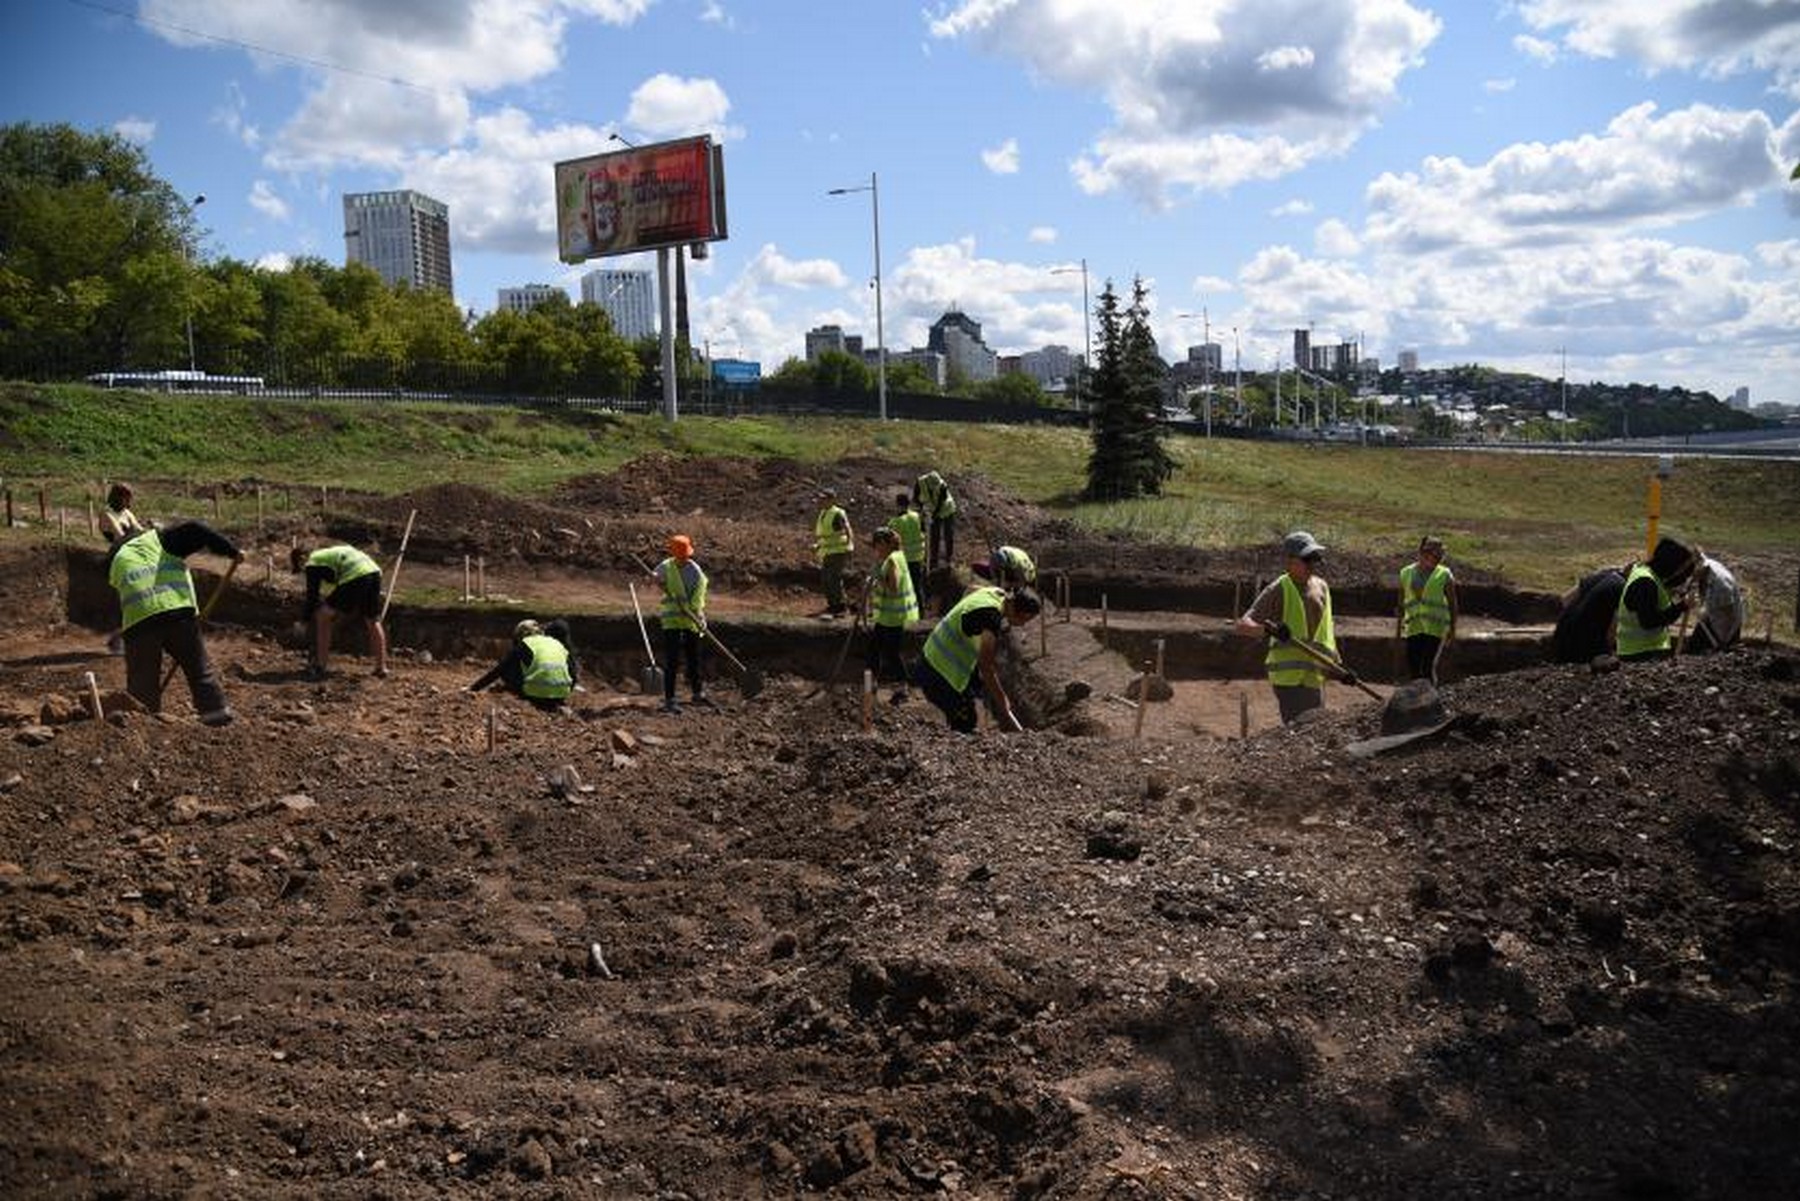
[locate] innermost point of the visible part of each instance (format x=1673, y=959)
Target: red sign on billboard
x=667, y=194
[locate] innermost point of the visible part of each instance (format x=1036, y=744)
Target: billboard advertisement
x=666, y=194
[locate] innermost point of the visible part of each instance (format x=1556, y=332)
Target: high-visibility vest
x=1286, y=664
x=1015, y=564
x=149, y=580
x=547, y=677
x=676, y=596
x=345, y=563
x=832, y=540
x=935, y=492
x=952, y=653
x=1633, y=638
x=912, y=535
x=1424, y=609
x=897, y=605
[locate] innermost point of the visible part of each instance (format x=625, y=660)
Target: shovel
x=652, y=676
x=750, y=680
x=1336, y=670
x=212, y=602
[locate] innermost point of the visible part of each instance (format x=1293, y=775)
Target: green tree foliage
x=1013, y=388
x=94, y=252
x=907, y=376
x=1128, y=457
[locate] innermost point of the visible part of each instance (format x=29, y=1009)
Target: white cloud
x=1536, y=49
x=1212, y=285
x=1335, y=240
x=714, y=14
x=1292, y=208
x=1042, y=234
x=1496, y=86
x=275, y=260
x=669, y=106
x=1644, y=171
x=135, y=129
x=264, y=200
x=770, y=266
x=1200, y=103
x=1713, y=37
x=1002, y=159
x=230, y=117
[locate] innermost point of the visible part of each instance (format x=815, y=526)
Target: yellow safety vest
x=149, y=580
x=1425, y=609
x=346, y=563
x=952, y=653
x=935, y=492
x=1633, y=638
x=912, y=535
x=1016, y=564
x=831, y=540
x=677, y=602
x=1286, y=664
x=899, y=605
x=547, y=677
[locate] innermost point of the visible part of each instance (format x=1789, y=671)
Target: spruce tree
x=1128, y=458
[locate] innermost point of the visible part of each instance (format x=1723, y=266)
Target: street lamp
x=874, y=192
x=1205, y=361
x=1087, y=334
x=198, y=200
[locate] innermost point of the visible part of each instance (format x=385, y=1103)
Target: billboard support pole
x=665, y=302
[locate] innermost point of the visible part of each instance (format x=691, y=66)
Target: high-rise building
x=958, y=338
x=1409, y=360
x=1209, y=357
x=526, y=297
x=1740, y=400
x=1051, y=365
x=629, y=298
x=404, y=236
x=824, y=339
x=1303, y=349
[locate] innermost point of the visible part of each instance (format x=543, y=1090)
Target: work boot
x=701, y=699
x=669, y=705
x=898, y=697
x=315, y=672
x=217, y=717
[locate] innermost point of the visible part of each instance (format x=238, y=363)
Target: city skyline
x=1512, y=183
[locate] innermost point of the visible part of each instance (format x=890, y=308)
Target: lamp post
x=1087, y=334
x=1205, y=360
x=198, y=200
x=874, y=191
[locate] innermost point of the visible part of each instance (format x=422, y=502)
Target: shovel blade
x=750, y=683
x=653, y=680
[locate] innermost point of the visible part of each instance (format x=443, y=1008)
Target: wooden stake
x=1237, y=598
x=9, y=509
x=1137, y=722
x=93, y=688
x=322, y=499
x=868, y=700
x=259, y=508
x=93, y=527
x=215, y=500
x=1103, y=621
x=1159, y=658
x=62, y=523
x=481, y=577
x=43, y=507
x=493, y=725
x=1243, y=715
x=467, y=570
x=268, y=568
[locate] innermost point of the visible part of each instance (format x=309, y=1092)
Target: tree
x=1128, y=458
x=1013, y=388
x=95, y=254
x=907, y=376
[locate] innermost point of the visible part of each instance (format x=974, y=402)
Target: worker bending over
x=156, y=596
x=1648, y=607
x=1009, y=567
x=340, y=580
x=932, y=494
x=962, y=655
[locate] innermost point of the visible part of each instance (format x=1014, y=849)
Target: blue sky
x=1483, y=182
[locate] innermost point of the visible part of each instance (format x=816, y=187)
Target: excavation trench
x=1103, y=651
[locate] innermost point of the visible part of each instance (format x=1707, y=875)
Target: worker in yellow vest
x=1296, y=605
x=907, y=523
x=538, y=666
x=893, y=606
x=938, y=507
x=962, y=655
x=1648, y=607
x=340, y=581
x=1426, y=618
x=1009, y=567
x=156, y=596
x=683, y=617
x=833, y=543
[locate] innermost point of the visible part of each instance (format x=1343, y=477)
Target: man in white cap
x=1296, y=605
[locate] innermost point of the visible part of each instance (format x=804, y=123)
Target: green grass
x=1541, y=520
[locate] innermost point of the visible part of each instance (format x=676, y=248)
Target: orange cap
x=681, y=546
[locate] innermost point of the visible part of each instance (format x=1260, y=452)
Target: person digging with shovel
x=340, y=580
x=682, y=615
x=1294, y=614
x=962, y=655
x=156, y=597
x=894, y=606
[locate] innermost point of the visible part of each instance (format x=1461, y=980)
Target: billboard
x=666, y=194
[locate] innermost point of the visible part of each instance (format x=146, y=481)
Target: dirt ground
x=346, y=947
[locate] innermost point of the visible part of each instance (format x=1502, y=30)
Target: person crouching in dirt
x=1295, y=606
x=833, y=543
x=1008, y=567
x=1584, y=619
x=156, y=595
x=1426, y=620
x=683, y=616
x=962, y=655
x=894, y=605
x=1648, y=606
x=1721, y=621
x=906, y=523
x=340, y=580
x=537, y=667
x=117, y=524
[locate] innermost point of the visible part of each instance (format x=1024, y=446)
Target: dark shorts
x=361, y=597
